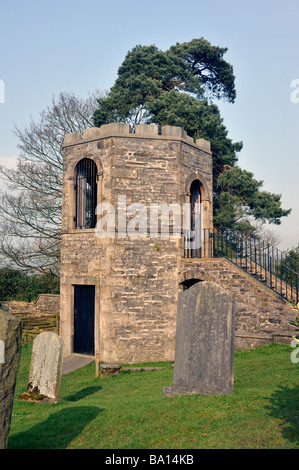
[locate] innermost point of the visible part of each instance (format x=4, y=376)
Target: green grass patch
x=128, y=411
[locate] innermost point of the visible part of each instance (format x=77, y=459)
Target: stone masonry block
x=146, y=130
x=173, y=131
x=73, y=138
x=204, y=144
x=92, y=133
x=114, y=128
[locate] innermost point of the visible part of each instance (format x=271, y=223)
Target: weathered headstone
x=204, y=352
x=45, y=368
x=10, y=353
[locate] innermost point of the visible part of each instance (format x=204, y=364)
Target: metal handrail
x=258, y=258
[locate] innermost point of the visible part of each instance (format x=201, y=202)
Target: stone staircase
x=262, y=315
x=269, y=279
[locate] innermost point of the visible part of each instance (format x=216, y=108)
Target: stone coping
x=151, y=131
x=269, y=335
x=140, y=369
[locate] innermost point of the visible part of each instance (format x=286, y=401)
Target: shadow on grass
x=57, y=431
x=82, y=393
x=284, y=404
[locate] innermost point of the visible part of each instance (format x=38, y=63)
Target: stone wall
x=45, y=304
x=262, y=316
x=135, y=279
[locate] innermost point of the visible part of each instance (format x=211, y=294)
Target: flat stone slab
x=75, y=361
x=108, y=369
x=36, y=398
x=139, y=369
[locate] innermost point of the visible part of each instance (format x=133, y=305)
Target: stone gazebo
x=119, y=292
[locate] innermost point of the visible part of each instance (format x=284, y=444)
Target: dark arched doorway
x=195, y=219
x=189, y=283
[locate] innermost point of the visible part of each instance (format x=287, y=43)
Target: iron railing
x=273, y=267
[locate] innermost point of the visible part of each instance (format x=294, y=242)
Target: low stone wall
x=45, y=304
x=250, y=340
x=38, y=316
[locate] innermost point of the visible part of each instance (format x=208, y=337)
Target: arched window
x=196, y=216
x=195, y=203
x=86, y=194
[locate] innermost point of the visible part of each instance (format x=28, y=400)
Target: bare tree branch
x=30, y=211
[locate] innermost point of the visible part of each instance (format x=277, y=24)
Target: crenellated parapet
x=116, y=129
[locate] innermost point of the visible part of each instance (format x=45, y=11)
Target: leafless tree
x=267, y=235
x=30, y=209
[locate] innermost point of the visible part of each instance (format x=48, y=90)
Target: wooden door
x=84, y=320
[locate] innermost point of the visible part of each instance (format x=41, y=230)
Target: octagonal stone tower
x=119, y=287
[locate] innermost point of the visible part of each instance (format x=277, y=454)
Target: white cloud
x=9, y=162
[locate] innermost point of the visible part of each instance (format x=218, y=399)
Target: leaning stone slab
x=10, y=353
x=45, y=368
x=204, y=350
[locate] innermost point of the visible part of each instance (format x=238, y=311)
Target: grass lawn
x=129, y=412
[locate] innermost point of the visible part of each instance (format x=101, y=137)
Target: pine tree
x=177, y=87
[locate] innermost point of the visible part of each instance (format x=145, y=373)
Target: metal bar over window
x=86, y=194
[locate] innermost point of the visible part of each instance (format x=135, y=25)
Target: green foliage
x=293, y=257
x=212, y=73
x=177, y=87
x=295, y=323
x=288, y=268
x=17, y=285
x=196, y=67
x=147, y=73
x=200, y=120
x=239, y=198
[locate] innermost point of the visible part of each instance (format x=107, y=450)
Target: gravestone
x=45, y=368
x=10, y=353
x=204, y=351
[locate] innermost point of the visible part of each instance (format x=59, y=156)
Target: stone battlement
x=141, y=130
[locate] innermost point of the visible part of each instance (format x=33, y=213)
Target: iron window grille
x=86, y=194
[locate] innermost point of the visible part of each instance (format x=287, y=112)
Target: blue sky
x=70, y=45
